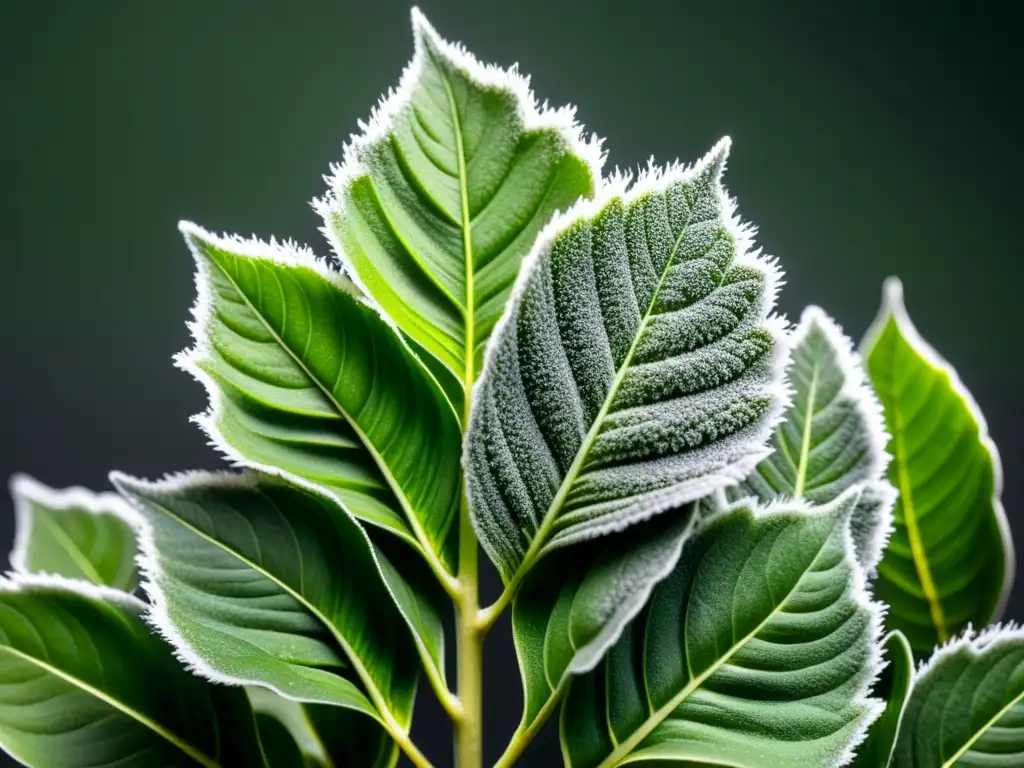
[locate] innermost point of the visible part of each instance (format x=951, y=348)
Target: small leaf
x=894, y=688
x=950, y=561
x=574, y=606
x=759, y=650
x=83, y=683
x=967, y=705
x=312, y=735
x=832, y=438
x=307, y=380
x=636, y=369
x=435, y=205
x=258, y=582
x=74, y=533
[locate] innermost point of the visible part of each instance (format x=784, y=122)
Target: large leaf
x=307, y=380
x=635, y=370
x=950, y=561
x=894, y=688
x=258, y=582
x=759, y=650
x=435, y=205
x=317, y=735
x=574, y=606
x=83, y=683
x=967, y=706
x=73, y=533
x=832, y=437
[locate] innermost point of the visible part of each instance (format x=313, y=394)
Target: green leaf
x=259, y=582
x=307, y=380
x=759, y=650
x=950, y=561
x=435, y=205
x=73, y=533
x=576, y=603
x=636, y=368
x=83, y=683
x=318, y=736
x=967, y=705
x=894, y=688
x=832, y=437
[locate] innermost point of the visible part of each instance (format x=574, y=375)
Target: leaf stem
x=523, y=737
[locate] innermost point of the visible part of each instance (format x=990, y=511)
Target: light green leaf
x=576, y=603
x=435, y=205
x=318, y=736
x=307, y=380
x=74, y=533
x=832, y=437
x=258, y=582
x=967, y=705
x=759, y=650
x=894, y=688
x=636, y=369
x=950, y=561
x=83, y=683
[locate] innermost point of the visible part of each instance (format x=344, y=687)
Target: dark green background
x=871, y=138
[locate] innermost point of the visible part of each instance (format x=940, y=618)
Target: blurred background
x=871, y=138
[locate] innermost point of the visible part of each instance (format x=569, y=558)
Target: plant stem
x=469, y=727
x=522, y=738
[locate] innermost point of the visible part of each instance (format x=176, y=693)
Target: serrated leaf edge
x=381, y=121
x=148, y=561
x=894, y=307
x=622, y=186
x=26, y=490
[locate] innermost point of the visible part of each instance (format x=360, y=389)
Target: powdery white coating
x=22, y=582
x=860, y=592
x=26, y=490
x=973, y=641
x=381, y=122
x=148, y=561
x=893, y=307
x=713, y=369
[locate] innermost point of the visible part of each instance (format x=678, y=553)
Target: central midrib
x=805, y=445
x=658, y=716
x=917, y=548
x=981, y=731
x=73, y=550
x=590, y=438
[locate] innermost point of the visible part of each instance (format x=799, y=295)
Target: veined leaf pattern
x=636, y=368
x=435, y=205
x=84, y=683
x=307, y=380
x=950, y=561
x=258, y=582
x=74, y=533
x=967, y=705
x=759, y=650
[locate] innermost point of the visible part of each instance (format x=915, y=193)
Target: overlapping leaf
x=256, y=581
x=574, y=606
x=894, y=688
x=950, y=561
x=967, y=705
x=832, y=437
x=636, y=368
x=306, y=379
x=83, y=683
x=758, y=650
x=73, y=533
x=318, y=736
x=436, y=204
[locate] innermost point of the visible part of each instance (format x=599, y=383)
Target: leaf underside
x=260, y=582
x=949, y=562
x=974, y=688
x=635, y=369
x=757, y=651
x=84, y=683
x=434, y=208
